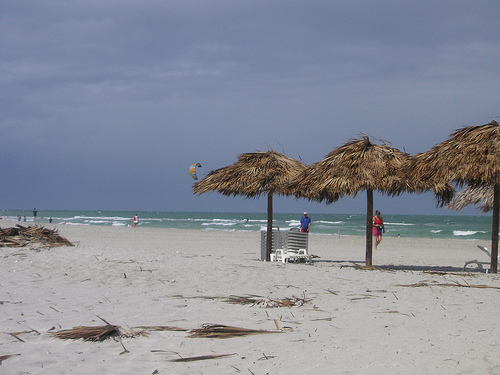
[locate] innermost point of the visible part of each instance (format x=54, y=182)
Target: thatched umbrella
x=470, y=156
x=358, y=165
x=252, y=175
x=482, y=195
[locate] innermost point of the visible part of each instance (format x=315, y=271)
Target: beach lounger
x=479, y=265
x=298, y=256
x=295, y=240
x=288, y=256
x=292, y=247
x=277, y=256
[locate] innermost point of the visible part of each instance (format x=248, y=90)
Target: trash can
x=277, y=241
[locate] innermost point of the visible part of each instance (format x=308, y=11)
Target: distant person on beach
x=18, y=217
x=136, y=220
x=35, y=212
x=24, y=219
x=305, y=223
x=50, y=220
x=378, y=228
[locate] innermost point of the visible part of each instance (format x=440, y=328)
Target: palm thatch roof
x=470, y=156
x=356, y=166
x=254, y=174
x=482, y=195
x=361, y=165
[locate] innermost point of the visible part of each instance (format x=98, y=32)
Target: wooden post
x=369, y=226
x=494, y=229
x=269, y=242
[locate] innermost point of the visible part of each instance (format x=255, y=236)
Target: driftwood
x=221, y=331
x=20, y=236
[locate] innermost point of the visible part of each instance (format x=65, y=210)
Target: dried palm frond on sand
x=86, y=333
x=4, y=357
x=20, y=236
x=268, y=302
x=160, y=328
x=201, y=357
x=99, y=333
x=222, y=331
x=417, y=285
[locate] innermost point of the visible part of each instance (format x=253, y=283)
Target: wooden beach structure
x=254, y=174
x=361, y=165
x=470, y=156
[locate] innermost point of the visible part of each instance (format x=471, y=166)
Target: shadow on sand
x=402, y=267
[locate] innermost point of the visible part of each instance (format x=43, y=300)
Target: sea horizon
x=477, y=227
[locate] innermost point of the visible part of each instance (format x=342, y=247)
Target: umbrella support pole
x=369, y=226
x=269, y=242
x=494, y=229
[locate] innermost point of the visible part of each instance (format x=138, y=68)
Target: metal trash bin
x=277, y=241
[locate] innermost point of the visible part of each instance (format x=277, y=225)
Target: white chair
x=279, y=256
x=298, y=256
x=479, y=264
x=287, y=256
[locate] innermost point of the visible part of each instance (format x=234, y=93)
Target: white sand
x=358, y=322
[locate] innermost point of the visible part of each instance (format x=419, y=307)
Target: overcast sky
x=105, y=104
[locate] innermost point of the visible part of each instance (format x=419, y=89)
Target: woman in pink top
x=378, y=228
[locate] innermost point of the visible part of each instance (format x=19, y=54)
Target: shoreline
x=419, y=226
x=407, y=316
x=327, y=247
x=12, y=223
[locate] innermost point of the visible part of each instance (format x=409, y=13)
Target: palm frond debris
x=99, y=333
x=201, y=357
x=20, y=236
x=417, y=285
x=268, y=302
x=221, y=331
x=161, y=328
x=7, y=356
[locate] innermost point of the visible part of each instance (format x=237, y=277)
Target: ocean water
x=419, y=226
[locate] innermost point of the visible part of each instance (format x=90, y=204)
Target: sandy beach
x=418, y=312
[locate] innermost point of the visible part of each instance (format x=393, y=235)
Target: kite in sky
x=192, y=170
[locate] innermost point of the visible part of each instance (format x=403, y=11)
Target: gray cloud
x=105, y=104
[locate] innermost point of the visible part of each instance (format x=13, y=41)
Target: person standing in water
x=35, y=213
x=378, y=228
